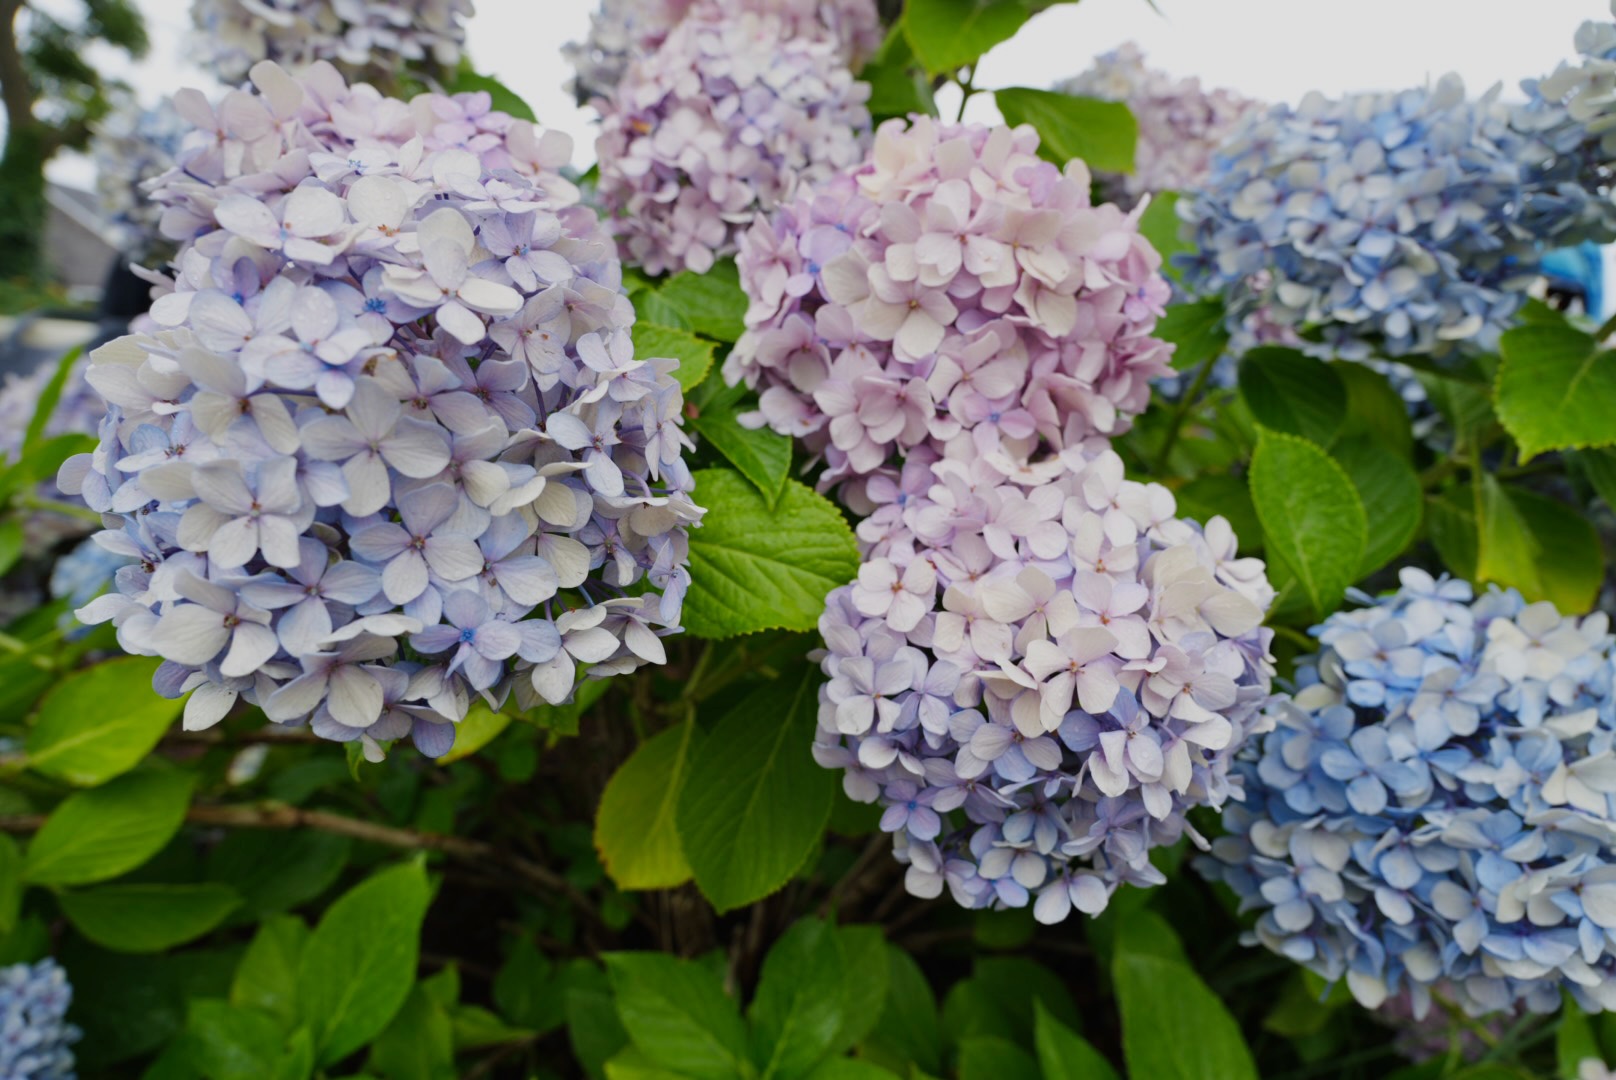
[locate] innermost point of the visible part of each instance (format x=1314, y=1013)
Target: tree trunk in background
x=22, y=203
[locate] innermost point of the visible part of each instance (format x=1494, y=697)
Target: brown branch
x=15, y=86
x=270, y=815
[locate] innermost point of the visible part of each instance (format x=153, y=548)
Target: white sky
x=1269, y=49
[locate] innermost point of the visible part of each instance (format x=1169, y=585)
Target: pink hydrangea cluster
x=954, y=285
x=1038, y=672
x=388, y=445
x=1180, y=124
x=733, y=114
x=621, y=30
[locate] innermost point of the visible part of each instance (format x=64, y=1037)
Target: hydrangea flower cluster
x=78, y=411
x=35, y=1038
x=375, y=36
x=1392, y=218
x=1570, y=124
x=131, y=147
x=1180, y=124
x=953, y=283
x=1434, y=806
x=1038, y=672
x=735, y=112
x=622, y=30
x=390, y=445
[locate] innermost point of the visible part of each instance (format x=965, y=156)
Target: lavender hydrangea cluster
x=1434, y=805
x=35, y=1037
x=1569, y=123
x=131, y=147
x=1037, y=673
x=389, y=445
x=375, y=37
x=1180, y=124
x=1392, y=221
x=954, y=285
x=734, y=113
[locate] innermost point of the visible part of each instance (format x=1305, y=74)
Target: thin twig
x=878, y=844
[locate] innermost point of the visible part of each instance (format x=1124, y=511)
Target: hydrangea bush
x=363, y=36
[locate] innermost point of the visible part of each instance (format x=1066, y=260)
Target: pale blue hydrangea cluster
x=131, y=147
x=364, y=37
x=35, y=1037
x=1435, y=807
x=1390, y=221
x=387, y=445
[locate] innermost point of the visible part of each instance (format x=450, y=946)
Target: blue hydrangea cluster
x=131, y=147
x=1434, y=809
x=35, y=1038
x=387, y=444
x=1390, y=221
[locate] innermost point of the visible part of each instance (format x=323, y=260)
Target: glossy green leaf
x=1450, y=523
x=799, y=1007
x=906, y=1031
x=278, y=871
x=1222, y=495
x=1538, y=545
x=1063, y=1054
x=897, y=85
x=1160, y=225
x=988, y=1057
x=866, y=974
x=11, y=543
x=754, y=568
x=528, y=991
x=228, y=1042
x=106, y=831
x=418, y=1044
x=695, y=356
x=1173, y=1026
x=755, y=803
x=1102, y=134
x=34, y=437
x=1313, y=520
x=99, y=722
x=634, y=827
x=1294, y=393
x=1555, y=389
x=143, y=918
x=1197, y=330
x=594, y=1030
x=505, y=99
x=761, y=455
x=359, y=963
x=948, y=34
x=1574, y=1041
x=712, y=304
x=1392, y=499
x=996, y=1000
x=678, y=1015
x=1375, y=410
x=267, y=977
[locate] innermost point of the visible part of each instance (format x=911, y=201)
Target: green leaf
x=1313, y=521
x=1538, y=545
x=1391, y=496
x=10, y=885
x=593, y=1028
x=1173, y=1026
x=988, y=1057
x=678, y=1015
x=1214, y=494
x=481, y=726
x=897, y=86
x=360, y=961
x=695, y=356
x=232, y=1043
x=1450, y=522
x=1555, y=389
x=1599, y=466
x=1160, y=225
x=527, y=990
x=476, y=1027
x=630, y=1064
x=106, y=831
x=761, y=455
x=1198, y=331
x=711, y=303
x=1574, y=1040
x=755, y=804
x=267, y=977
x=753, y=568
x=799, y=1007
x=866, y=974
x=634, y=827
x=1292, y=392
x=99, y=722
x=948, y=34
x=1101, y=134
x=1065, y=1055
x=11, y=544
x=850, y=1069
x=147, y=918
x=994, y=1000
x=1375, y=409
x=276, y=872
x=418, y=1044
x=505, y=99
x=906, y=1030
x=1468, y=409
x=45, y=407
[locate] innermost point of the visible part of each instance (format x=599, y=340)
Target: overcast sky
x=1269, y=49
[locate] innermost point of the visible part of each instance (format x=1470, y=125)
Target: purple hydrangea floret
x=385, y=443
x=1433, y=811
x=1038, y=672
